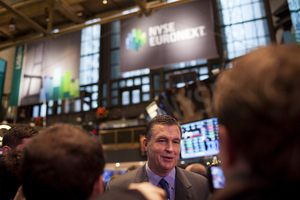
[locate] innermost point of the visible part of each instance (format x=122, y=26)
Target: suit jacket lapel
x=182, y=186
x=141, y=175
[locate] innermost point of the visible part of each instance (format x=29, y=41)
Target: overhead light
x=12, y=26
x=7, y=127
x=104, y=1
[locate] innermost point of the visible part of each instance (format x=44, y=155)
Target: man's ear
x=145, y=143
x=227, y=154
x=98, y=187
x=5, y=150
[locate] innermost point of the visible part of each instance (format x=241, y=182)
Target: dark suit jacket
x=121, y=195
x=188, y=185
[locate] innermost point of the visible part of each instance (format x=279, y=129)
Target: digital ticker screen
x=200, y=138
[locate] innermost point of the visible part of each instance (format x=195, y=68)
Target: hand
x=149, y=191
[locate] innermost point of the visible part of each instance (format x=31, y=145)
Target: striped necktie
x=164, y=185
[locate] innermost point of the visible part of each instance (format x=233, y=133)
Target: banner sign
x=51, y=70
x=15, y=86
x=176, y=34
x=2, y=76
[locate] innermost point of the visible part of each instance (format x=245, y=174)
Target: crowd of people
x=258, y=110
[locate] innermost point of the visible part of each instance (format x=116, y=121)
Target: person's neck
x=160, y=173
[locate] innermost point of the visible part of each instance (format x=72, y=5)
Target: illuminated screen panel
x=200, y=138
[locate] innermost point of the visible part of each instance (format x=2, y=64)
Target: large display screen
x=200, y=138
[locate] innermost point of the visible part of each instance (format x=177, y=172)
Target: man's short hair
x=258, y=101
x=14, y=136
x=10, y=174
x=62, y=162
x=162, y=120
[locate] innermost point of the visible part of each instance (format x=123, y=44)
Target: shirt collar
x=154, y=178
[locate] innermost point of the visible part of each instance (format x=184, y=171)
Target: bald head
x=197, y=168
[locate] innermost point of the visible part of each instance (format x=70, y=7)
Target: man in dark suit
x=162, y=144
x=65, y=162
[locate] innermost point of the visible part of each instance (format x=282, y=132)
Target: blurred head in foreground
x=257, y=103
x=63, y=162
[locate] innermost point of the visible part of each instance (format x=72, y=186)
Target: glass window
x=122, y=83
x=94, y=96
x=114, y=71
x=129, y=82
x=114, y=101
x=50, y=112
x=95, y=88
x=58, y=111
x=115, y=57
x=50, y=103
x=179, y=85
x=125, y=98
x=86, y=107
x=203, y=70
x=104, y=103
x=146, y=88
x=145, y=80
x=94, y=104
x=135, y=96
x=115, y=26
x=35, y=111
x=89, y=61
x=167, y=85
x=194, y=70
x=114, y=85
x=114, y=93
x=167, y=76
x=135, y=73
x=203, y=77
x=137, y=81
x=88, y=89
x=146, y=97
x=247, y=12
x=243, y=25
x=156, y=81
x=87, y=99
x=115, y=41
x=77, y=105
x=43, y=110
x=104, y=90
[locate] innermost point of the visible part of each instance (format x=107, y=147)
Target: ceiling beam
x=105, y=18
x=66, y=10
x=24, y=17
x=141, y=5
x=6, y=34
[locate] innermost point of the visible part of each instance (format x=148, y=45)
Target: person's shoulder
x=192, y=176
x=123, y=194
x=123, y=180
x=126, y=176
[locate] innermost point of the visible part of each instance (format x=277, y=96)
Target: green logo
x=135, y=39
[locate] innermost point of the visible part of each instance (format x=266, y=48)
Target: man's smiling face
x=163, y=149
